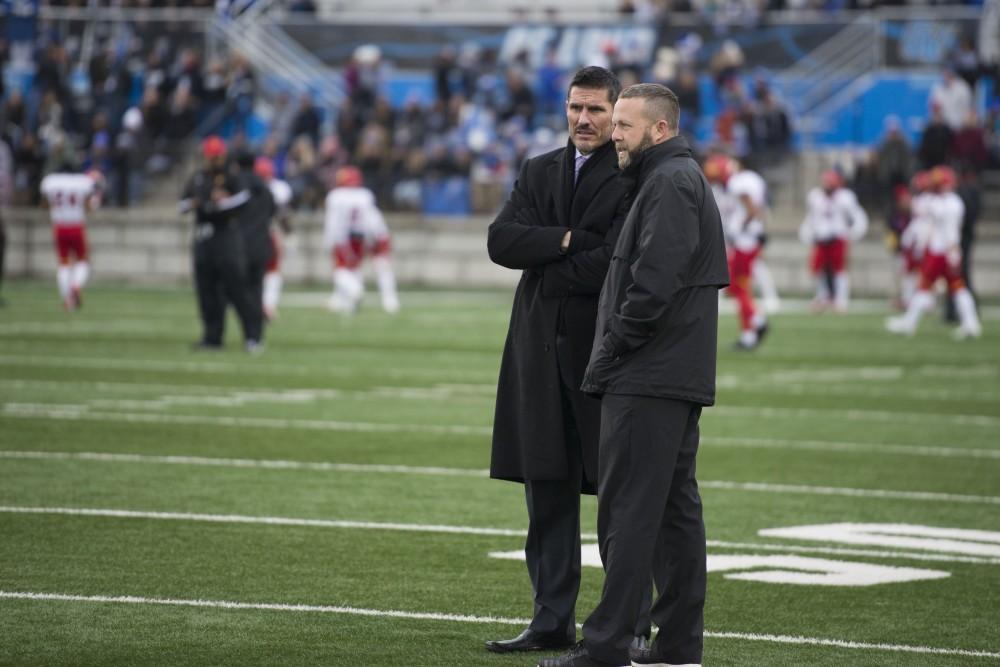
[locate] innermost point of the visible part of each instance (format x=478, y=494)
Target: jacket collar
x=652, y=157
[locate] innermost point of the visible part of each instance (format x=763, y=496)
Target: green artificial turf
x=831, y=421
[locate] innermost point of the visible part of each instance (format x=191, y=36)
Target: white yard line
x=202, y=362
x=861, y=447
x=264, y=520
x=465, y=530
x=76, y=411
x=450, y=392
x=464, y=618
x=722, y=485
x=271, y=464
x=884, y=416
x=849, y=492
x=839, y=551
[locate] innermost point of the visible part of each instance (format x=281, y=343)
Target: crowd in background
x=126, y=104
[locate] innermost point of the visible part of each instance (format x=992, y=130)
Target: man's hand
x=564, y=246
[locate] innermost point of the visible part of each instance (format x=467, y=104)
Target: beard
x=627, y=157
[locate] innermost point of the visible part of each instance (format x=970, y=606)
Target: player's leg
x=841, y=283
x=385, y=277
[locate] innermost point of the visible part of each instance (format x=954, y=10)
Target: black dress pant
x=552, y=548
x=649, y=509
x=220, y=277
x=255, y=270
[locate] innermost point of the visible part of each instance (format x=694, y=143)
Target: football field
x=328, y=502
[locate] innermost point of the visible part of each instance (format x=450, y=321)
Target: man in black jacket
x=215, y=195
x=255, y=228
x=557, y=227
x=653, y=363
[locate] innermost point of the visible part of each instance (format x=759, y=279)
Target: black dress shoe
x=529, y=640
x=575, y=657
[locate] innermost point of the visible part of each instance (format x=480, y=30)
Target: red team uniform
x=741, y=195
x=834, y=219
x=936, y=235
x=355, y=229
x=281, y=192
x=69, y=197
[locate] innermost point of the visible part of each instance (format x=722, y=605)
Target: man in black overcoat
x=654, y=363
x=558, y=228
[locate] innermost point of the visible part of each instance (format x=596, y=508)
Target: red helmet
x=349, y=177
x=213, y=147
x=719, y=168
x=832, y=180
x=943, y=178
x=264, y=167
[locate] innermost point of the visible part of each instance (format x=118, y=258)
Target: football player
x=355, y=229
x=70, y=196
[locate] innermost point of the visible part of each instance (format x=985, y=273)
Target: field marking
x=171, y=395
x=77, y=411
x=208, y=367
x=849, y=492
x=885, y=416
x=265, y=520
x=723, y=485
x=80, y=412
x=463, y=618
x=846, y=551
x=839, y=446
x=271, y=464
x=471, y=530
x=450, y=392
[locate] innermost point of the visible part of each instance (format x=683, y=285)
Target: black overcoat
x=659, y=308
x=555, y=308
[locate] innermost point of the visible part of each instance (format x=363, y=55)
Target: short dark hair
x=661, y=102
x=597, y=78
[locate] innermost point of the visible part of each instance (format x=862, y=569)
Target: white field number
x=791, y=569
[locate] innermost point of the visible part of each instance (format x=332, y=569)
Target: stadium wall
x=153, y=247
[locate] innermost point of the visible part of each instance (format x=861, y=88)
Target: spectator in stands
x=307, y=121
x=332, y=157
x=300, y=166
x=689, y=98
x=969, y=144
x=241, y=92
x=129, y=159
x=964, y=60
x=519, y=104
x=15, y=114
x=99, y=150
x=894, y=157
x=374, y=157
x=770, y=131
x=6, y=192
x=447, y=74
x=954, y=98
x=935, y=143
x=182, y=115
x=550, y=85
x=214, y=92
x=283, y=116
x=29, y=158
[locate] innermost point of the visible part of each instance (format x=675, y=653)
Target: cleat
x=899, y=326
x=964, y=333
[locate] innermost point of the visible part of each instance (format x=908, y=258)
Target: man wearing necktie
x=558, y=228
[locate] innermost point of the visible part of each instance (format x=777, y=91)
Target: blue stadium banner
x=575, y=46
x=20, y=18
